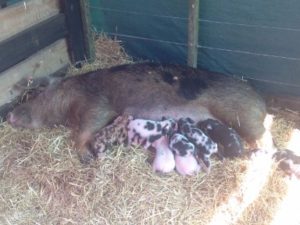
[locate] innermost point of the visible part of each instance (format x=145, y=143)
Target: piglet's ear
x=180, y=122
x=190, y=120
x=130, y=117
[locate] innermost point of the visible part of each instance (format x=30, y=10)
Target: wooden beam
x=76, y=41
x=20, y=46
x=44, y=62
x=22, y=15
x=87, y=30
x=193, y=30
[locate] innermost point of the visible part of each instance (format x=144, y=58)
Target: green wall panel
x=259, y=40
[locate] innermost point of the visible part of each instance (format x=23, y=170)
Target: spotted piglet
x=288, y=161
x=145, y=132
x=229, y=142
x=205, y=146
x=115, y=133
x=164, y=161
x=184, y=151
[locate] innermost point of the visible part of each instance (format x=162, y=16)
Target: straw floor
x=42, y=181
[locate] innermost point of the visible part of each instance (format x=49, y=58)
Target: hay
x=42, y=181
x=108, y=53
x=281, y=131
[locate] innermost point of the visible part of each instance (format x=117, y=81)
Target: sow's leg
x=93, y=119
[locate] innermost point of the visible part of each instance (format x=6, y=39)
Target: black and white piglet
x=184, y=151
x=205, y=146
x=289, y=162
x=145, y=132
x=229, y=142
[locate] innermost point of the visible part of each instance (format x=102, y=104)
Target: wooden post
x=76, y=43
x=193, y=29
x=87, y=29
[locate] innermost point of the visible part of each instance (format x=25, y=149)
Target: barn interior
x=42, y=180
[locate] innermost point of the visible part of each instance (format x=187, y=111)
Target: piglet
x=113, y=134
x=205, y=146
x=229, y=142
x=288, y=161
x=185, y=161
x=164, y=161
x=145, y=132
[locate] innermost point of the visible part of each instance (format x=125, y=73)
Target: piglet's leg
x=93, y=119
x=98, y=149
x=130, y=137
x=187, y=165
x=203, y=166
x=147, y=145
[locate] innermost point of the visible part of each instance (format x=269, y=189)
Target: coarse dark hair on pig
x=87, y=102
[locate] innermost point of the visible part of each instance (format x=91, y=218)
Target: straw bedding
x=42, y=181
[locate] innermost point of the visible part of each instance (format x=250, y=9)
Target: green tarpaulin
x=257, y=40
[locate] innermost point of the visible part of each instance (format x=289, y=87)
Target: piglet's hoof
x=97, y=152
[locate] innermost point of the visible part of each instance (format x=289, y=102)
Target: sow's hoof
x=86, y=157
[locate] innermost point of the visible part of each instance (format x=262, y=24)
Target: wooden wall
x=37, y=38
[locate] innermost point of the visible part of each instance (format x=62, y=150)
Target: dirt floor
x=42, y=181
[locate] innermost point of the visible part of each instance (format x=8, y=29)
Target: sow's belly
x=156, y=112
x=154, y=100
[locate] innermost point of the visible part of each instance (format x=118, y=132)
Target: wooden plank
x=87, y=30
x=76, y=41
x=20, y=16
x=193, y=30
x=44, y=62
x=24, y=44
